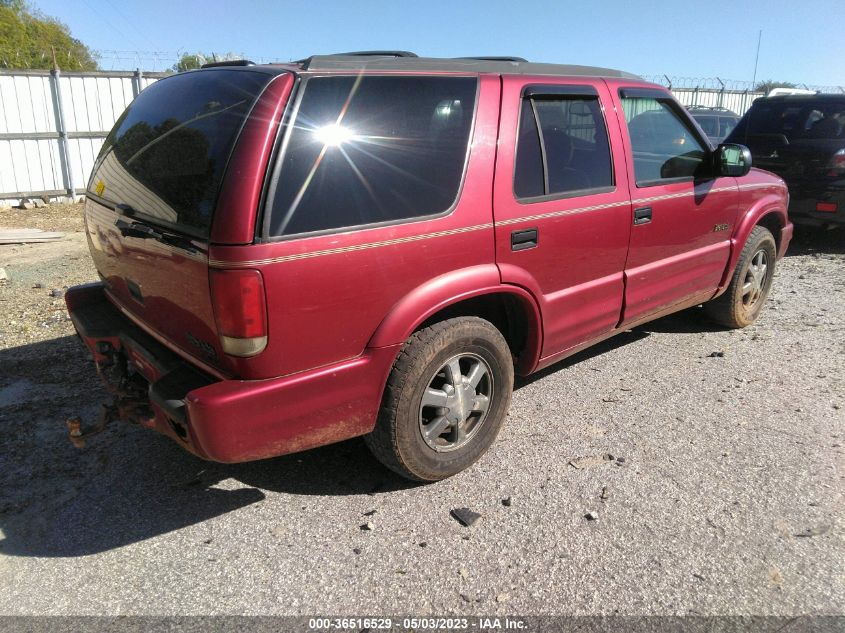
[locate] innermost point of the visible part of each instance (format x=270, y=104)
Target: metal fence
x=52, y=124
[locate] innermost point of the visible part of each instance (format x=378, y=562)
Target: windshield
x=165, y=157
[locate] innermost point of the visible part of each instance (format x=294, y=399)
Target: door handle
x=642, y=216
x=524, y=239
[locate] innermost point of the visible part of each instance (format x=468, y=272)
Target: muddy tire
x=445, y=400
x=740, y=305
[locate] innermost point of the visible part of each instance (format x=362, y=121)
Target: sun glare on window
x=334, y=135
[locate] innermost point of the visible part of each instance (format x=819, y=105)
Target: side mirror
x=732, y=159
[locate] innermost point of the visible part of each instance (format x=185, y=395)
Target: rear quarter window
x=166, y=155
x=365, y=150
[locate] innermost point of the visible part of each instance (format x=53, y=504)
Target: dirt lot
x=725, y=494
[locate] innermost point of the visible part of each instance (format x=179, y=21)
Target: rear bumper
x=235, y=420
x=803, y=208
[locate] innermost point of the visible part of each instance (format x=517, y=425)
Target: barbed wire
x=729, y=85
x=158, y=61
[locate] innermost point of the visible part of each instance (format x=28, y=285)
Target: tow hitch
x=130, y=403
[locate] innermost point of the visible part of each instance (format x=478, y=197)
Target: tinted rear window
x=366, y=150
x=166, y=155
x=815, y=120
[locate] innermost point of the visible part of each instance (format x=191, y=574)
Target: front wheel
x=740, y=305
x=445, y=400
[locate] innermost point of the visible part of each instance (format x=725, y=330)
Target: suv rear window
x=364, y=150
x=794, y=120
x=166, y=155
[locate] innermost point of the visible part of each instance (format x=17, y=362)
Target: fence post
x=64, y=149
x=721, y=101
x=137, y=76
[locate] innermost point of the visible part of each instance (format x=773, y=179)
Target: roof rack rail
x=707, y=107
x=229, y=62
x=377, y=54
x=306, y=63
x=495, y=58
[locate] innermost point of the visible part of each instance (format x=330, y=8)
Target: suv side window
x=363, y=150
x=562, y=145
x=663, y=145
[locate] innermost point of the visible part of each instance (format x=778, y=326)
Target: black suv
x=802, y=139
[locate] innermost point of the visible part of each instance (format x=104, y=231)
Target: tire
x=740, y=305
x=435, y=438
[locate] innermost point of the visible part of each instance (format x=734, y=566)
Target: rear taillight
x=240, y=310
x=837, y=164
x=826, y=207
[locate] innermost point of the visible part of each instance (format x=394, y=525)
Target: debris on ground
x=591, y=516
x=465, y=516
x=502, y=597
x=604, y=495
x=775, y=576
x=719, y=354
x=814, y=531
x=590, y=461
x=3, y=276
x=367, y=527
x=506, y=502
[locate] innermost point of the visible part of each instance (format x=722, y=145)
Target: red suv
x=293, y=255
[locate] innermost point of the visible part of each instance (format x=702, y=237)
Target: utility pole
x=756, y=59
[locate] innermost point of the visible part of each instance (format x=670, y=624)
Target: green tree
x=28, y=39
x=769, y=84
x=189, y=61
x=192, y=61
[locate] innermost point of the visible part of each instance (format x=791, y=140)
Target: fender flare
x=453, y=287
x=765, y=206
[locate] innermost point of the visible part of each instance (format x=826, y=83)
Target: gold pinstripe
x=349, y=249
x=217, y=263
x=554, y=214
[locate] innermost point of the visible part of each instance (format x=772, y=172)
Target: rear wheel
x=741, y=303
x=445, y=401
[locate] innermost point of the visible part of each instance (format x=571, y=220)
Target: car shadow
x=689, y=321
x=814, y=241
x=129, y=484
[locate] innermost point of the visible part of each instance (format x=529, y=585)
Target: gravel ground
x=724, y=494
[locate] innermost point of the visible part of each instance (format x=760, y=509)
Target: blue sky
x=802, y=42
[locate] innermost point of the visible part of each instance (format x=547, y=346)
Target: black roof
x=391, y=61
